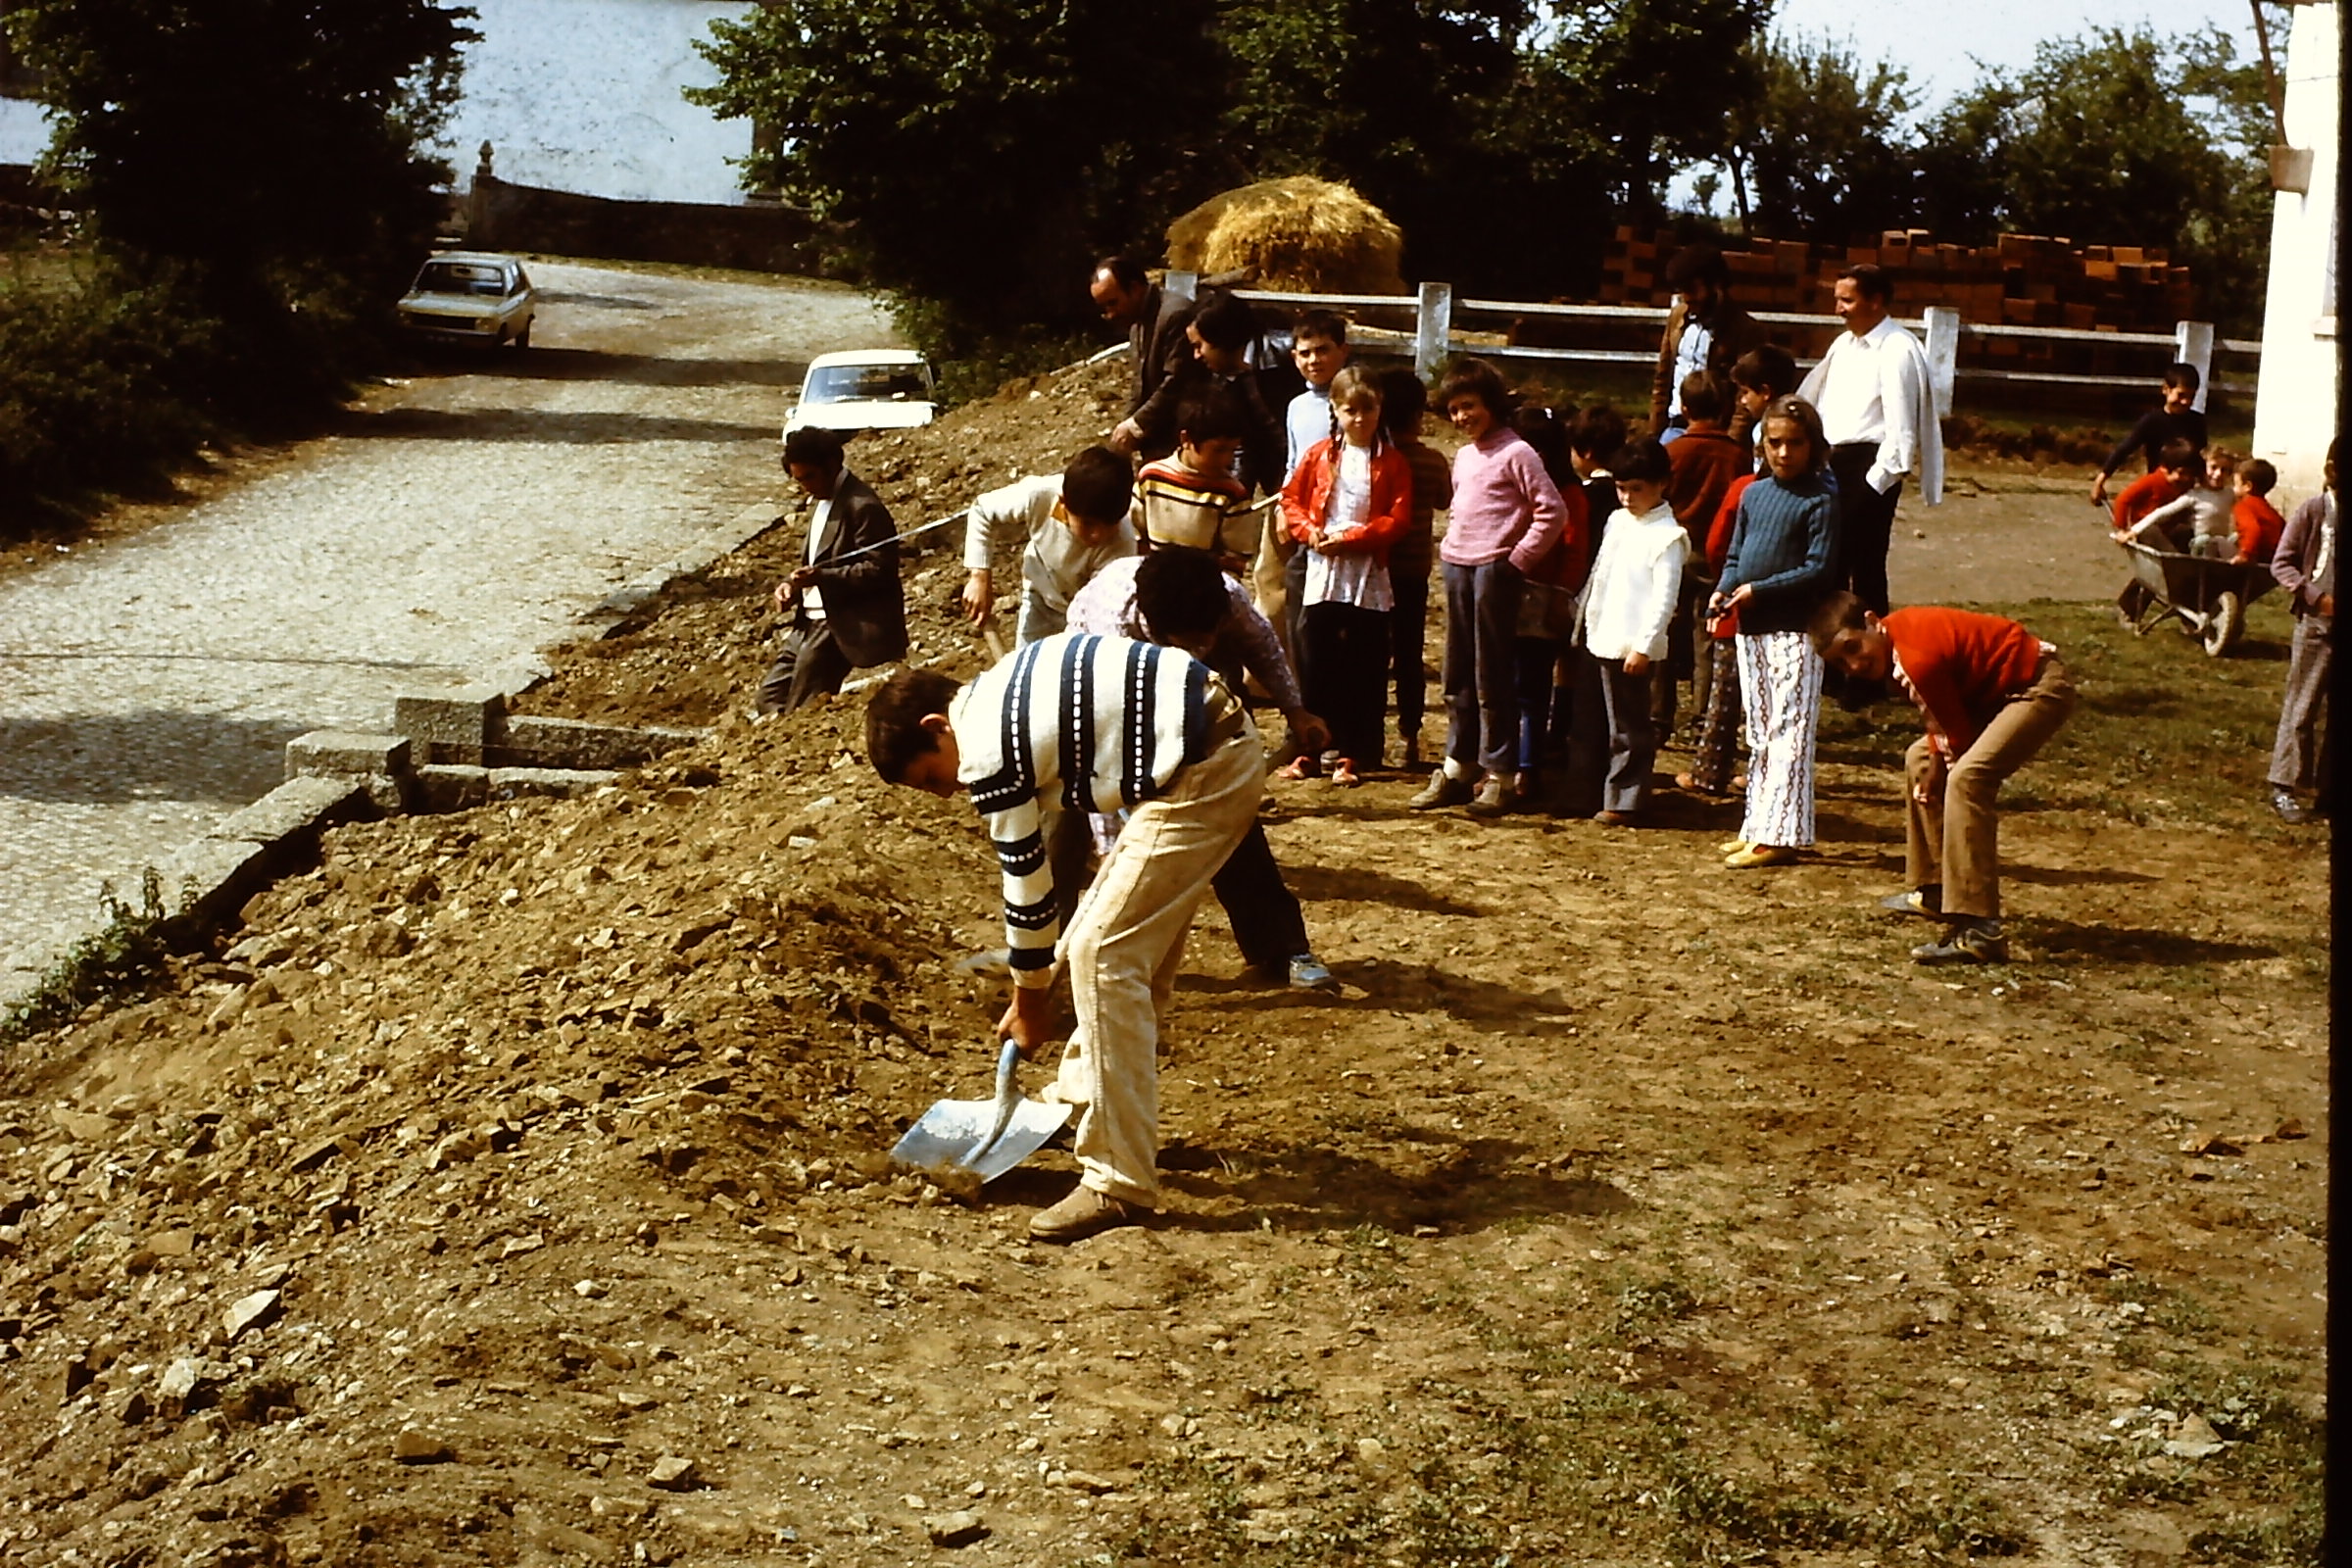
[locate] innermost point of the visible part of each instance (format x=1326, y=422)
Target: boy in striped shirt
x=1079, y=722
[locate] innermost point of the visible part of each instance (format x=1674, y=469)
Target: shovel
x=982, y=1138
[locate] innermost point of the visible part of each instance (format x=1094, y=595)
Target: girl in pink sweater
x=1508, y=515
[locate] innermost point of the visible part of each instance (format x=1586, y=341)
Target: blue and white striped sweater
x=1073, y=722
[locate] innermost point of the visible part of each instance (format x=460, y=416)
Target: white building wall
x=24, y=133
x=584, y=96
x=2296, y=404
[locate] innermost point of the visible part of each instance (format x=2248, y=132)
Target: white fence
x=1432, y=337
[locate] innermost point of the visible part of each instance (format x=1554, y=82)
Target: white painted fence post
x=1944, y=355
x=1432, y=328
x=2193, y=343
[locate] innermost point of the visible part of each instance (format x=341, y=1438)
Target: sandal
x=1297, y=767
x=1342, y=774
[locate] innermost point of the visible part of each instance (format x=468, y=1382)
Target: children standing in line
x=1547, y=609
x=1507, y=514
x=1074, y=527
x=1706, y=460
x=1345, y=503
x=1318, y=350
x=1778, y=567
x=1992, y=694
x=1622, y=620
x=1757, y=378
x=1402, y=402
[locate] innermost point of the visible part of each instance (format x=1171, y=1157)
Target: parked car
x=471, y=297
x=866, y=389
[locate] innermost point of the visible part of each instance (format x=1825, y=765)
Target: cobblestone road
x=449, y=526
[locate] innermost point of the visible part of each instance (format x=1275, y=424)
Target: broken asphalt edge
x=208, y=880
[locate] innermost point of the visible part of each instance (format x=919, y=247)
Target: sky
x=1934, y=41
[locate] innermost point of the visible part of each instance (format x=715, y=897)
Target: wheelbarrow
x=973, y=1142
x=2208, y=596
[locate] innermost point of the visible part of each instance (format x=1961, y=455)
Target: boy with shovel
x=1080, y=722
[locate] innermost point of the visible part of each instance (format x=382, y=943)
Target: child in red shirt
x=2160, y=486
x=2259, y=524
x=1992, y=694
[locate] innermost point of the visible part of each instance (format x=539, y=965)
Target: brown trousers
x=1954, y=827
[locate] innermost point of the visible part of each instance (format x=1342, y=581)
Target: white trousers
x=1122, y=948
x=1779, y=681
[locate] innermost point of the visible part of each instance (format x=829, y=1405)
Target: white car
x=866, y=389
x=471, y=297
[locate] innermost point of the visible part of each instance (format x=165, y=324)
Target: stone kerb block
x=300, y=806
x=204, y=883
x=376, y=761
x=449, y=787
x=514, y=783
x=455, y=727
x=573, y=743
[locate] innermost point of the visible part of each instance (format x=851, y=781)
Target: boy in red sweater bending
x=1993, y=694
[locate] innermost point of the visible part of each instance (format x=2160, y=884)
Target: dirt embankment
x=512, y=1190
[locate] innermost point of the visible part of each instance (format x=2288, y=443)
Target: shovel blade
x=944, y=1139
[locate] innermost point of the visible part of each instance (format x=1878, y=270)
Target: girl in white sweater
x=1621, y=621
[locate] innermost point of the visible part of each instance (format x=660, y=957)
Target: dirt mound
x=511, y=1188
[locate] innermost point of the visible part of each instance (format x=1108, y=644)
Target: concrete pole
x=1432, y=328
x=2192, y=344
x=1944, y=355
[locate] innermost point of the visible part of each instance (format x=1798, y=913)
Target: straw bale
x=1300, y=234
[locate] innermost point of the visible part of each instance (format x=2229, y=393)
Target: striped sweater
x=1076, y=722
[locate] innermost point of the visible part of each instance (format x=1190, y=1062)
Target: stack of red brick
x=2022, y=281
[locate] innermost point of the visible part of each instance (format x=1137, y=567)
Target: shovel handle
x=1009, y=1097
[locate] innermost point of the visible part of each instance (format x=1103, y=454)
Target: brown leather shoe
x=1085, y=1212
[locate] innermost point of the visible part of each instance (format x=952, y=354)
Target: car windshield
x=462, y=278
x=874, y=383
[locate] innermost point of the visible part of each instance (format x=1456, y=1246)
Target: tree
x=1821, y=150
x=979, y=151
x=270, y=149
x=2112, y=139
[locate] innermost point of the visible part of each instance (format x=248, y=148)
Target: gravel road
x=452, y=525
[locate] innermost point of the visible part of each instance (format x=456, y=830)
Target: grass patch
x=111, y=962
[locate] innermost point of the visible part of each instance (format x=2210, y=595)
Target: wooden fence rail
x=1432, y=337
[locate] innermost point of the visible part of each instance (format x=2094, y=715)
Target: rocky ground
x=513, y=1187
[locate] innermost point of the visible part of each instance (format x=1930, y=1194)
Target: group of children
x=1584, y=572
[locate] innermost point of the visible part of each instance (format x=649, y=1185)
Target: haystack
x=1302, y=235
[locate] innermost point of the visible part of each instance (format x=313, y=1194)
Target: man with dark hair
x=1105, y=725
x=1071, y=528
x=847, y=606
x=1168, y=597
x=1223, y=335
x=1878, y=412
x=1125, y=295
x=1704, y=331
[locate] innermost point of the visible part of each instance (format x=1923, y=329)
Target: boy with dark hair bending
x=1076, y=722
x=1992, y=694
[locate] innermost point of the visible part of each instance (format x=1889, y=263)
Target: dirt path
x=452, y=525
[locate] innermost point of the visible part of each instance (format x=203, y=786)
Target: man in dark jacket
x=1125, y=295
x=847, y=608
x=1704, y=331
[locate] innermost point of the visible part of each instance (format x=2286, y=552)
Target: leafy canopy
x=253, y=141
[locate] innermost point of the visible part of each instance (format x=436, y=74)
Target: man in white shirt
x=1877, y=411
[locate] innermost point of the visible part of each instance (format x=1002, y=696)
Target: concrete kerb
x=342, y=777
